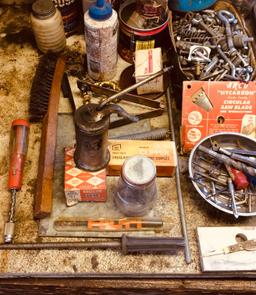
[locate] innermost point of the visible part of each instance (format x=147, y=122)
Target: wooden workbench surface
x=59, y=271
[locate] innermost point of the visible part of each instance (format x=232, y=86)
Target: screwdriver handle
x=19, y=143
x=238, y=177
x=151, y=244
x=240, y=180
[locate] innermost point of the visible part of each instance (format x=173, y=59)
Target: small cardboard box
x=80, y=185
x=163, y=153
x=210, y=107
x=148, y=62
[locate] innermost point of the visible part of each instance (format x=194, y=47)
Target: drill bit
x=9, y=225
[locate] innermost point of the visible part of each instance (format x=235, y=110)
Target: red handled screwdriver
x=19, y=144
x=238, y=177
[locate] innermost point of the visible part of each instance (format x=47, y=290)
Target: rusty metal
x=222, y=32
x=92, y=126
x=155, y=134
x=217, y=148
x=227, y=160
x=133, y=87
x=146, y=115
x=233, y=276
x=127, y=244
x=178, y=185
x=85, y=86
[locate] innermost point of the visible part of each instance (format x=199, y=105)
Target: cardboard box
x=163, y=153
x=148, y=62
x=80, y=185
x=210, y=107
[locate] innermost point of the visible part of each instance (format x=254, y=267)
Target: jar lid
x=139, y=170
x=43, y=9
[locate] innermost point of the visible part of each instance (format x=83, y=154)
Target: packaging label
x=163, y=153
x=80, y=185
x=210, y=107
x=145, y=44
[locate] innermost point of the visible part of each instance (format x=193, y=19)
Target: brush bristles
x=41, y=87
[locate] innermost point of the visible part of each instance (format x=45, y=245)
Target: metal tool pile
x=225, y=177
x=213, y=46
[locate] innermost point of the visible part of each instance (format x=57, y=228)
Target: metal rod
x=138, y=99
x=233, y=199
x=155, y=134
x=126, y=90
x=141, y=116
x=210, y=178
x=178, y=184
x=62, y=246
x=234, y=276
x=226, y=160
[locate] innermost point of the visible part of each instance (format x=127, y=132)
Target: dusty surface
x=18, y=59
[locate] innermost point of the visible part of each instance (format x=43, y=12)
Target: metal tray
x=164, y=208
x=227, y=140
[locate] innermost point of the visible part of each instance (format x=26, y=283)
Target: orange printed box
x=80, y=185
x=163, y=153
x=210, y=107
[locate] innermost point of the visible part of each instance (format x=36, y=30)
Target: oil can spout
x=114, y=108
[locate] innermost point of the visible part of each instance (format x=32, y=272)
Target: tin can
x=133, y=37
x=70, y=12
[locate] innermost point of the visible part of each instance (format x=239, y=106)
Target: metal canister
x=190, y=5
x=91, y=151
x=92, y=125
x=137, y=32
x=71, y=16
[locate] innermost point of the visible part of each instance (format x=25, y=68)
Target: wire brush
x=41, y=87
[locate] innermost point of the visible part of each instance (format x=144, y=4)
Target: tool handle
x=19, y=144
x=43, y=195
x=244, y=159
x=151, y=244
x=240, y=180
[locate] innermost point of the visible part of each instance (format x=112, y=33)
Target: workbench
x=88, y=272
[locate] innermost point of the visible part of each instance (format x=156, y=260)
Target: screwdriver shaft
x=226, y=160
x=12, y=207
x=233, y=199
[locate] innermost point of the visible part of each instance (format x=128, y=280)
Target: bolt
x=227, y=18
x=209, y=67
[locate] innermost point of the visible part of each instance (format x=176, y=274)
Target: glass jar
x=136, y=190
x=48, y=26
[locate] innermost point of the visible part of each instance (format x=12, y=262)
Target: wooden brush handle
x=43, y=195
